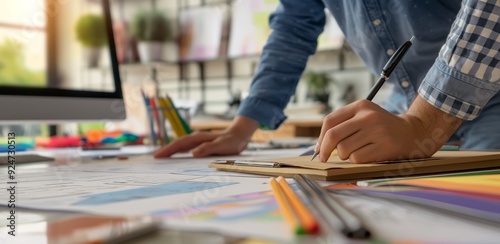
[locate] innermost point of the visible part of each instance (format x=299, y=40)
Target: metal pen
x=250, y=163
x=334, y=212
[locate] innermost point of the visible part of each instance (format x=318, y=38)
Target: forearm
x=293, y=40
x=243, y=127
x=432, y=127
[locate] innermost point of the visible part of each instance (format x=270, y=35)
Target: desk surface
x=188, y=196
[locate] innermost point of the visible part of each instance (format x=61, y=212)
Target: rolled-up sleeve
x=466, y=74
x=296, y=25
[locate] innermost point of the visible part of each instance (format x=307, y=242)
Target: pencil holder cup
x=184, y=113
x=167, y=123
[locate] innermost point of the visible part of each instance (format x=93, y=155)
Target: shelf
x=210, y=3
x=160, y=64
x=218, y=59
x=237, y=77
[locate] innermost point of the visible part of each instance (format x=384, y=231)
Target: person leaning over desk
x=445, y=88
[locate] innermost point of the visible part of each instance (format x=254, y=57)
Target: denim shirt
x=375, y=29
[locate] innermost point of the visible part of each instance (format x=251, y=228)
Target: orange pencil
x=307, y=219
x=286, y=208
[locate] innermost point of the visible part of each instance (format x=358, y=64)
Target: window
x=23, y=57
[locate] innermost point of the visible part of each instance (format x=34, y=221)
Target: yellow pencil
x=166, y=111
x=174, y=116
x=306, y=218
x=286, y=208
x=176, y=112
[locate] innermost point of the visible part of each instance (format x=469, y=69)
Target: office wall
x=218, y=95
x=217, y=92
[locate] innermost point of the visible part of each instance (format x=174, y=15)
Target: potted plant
x=91, y=33
x=152, y=30
x=318, y=87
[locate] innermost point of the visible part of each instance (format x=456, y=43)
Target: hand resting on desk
x=232, y=140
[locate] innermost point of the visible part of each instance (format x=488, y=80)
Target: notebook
x=336, y=169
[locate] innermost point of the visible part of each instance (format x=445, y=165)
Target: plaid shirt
x=466, y=74
x=460, y=81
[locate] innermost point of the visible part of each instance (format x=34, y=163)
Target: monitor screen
x=58, y=62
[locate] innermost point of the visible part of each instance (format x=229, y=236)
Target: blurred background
x=201, y=53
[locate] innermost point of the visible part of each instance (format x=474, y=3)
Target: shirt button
x=377, y=22
x=390, y=52
x=405, y=84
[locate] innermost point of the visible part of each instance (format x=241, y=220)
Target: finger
x=337, y=117
x=352, y=143
x=203, y=150
x=184, y=143
x=372, y=153
x=366, y=154
x=219, y=146
x=336, y=134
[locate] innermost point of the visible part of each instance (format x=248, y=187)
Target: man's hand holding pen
x=364, y=132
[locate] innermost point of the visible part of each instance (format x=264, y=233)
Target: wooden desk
x=289, y=128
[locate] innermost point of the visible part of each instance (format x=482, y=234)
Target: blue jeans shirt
x=374, y=29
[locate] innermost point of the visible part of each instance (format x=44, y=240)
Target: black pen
x=386, y=72
x=389, y=67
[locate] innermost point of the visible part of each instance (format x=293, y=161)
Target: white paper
x=189, y=195
x=139, y=185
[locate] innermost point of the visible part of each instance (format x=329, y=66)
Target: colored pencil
x=338, y=216
x=163, y=129
x=286, y=208
x=149, y=112
x=174, y=116
x=156, y=116
x=176, y=111
x=307, y=220
x=176, y=126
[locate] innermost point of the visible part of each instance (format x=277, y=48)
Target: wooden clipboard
x=338, y=170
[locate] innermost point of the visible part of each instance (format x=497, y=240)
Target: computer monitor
x=58, y=62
